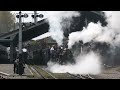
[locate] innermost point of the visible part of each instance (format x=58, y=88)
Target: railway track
x=87, y=76
x=78, y=76
x=42, y=73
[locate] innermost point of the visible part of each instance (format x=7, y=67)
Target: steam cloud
x=90, y=63
x=85, y=64
x=95, y=32
x=55, y=19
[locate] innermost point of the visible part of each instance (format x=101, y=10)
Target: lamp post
x=20, y=33
x=20, y=36
x=20, y=65
x=36, y=15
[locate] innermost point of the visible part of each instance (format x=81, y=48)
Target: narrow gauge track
x=43, y=73
x=78, y=76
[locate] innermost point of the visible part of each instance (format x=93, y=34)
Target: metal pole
x=20, y=37
x=35, y=17
x=20, y=66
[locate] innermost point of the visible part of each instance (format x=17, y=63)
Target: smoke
x=86, y=35
x=85, y=64
x=58, y=21
x=97, y=33
x=113, y=19
x=114, y=24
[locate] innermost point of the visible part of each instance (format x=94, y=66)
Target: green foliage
x=7, y=20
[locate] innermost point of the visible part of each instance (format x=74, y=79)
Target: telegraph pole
x=20, y=65
x=20, y=36
x=35, y=17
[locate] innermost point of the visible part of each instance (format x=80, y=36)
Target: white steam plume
x=95, y=32
x=114, y=23
x=55, y=19
x=86, y=35
x=85, y=64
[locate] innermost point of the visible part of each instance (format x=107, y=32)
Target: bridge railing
x=8, y=34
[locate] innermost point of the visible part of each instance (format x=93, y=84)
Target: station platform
x=8, y=69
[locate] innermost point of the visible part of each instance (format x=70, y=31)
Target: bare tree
x=7, y=21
